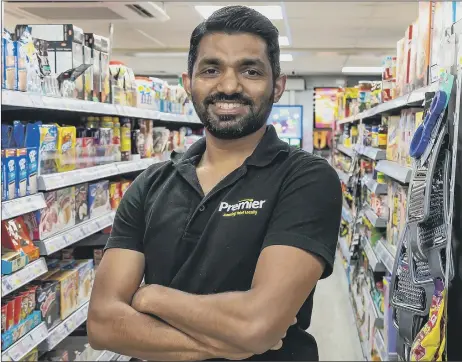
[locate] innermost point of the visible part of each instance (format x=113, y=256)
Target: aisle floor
x=332, y=322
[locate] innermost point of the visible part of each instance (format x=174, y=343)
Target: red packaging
x=17, y=308
x=3, y=318
x=9, y=313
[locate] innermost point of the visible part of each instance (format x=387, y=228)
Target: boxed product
x=98, y=198
x=407, y=68
x=48, y=149
x=66, y=148
x=9, y=61
x=105, y=76
x=124, y=185
x=423, y=44
x=88, y=75
x=393, y=143
x=10, y=175
x=12, y=261
x=81, y=203
x=48, y=297
x=19, y=330
x=85, y=270
x=414, y=53
x=21, y=167
x=68, y=285
x=16, y=237
x=93, y=41
x=66, y=204
x=115, y=194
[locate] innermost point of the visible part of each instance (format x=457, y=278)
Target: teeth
x=224, y=105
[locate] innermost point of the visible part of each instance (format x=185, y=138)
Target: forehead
x=232, y=47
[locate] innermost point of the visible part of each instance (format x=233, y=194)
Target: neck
x=219, y=152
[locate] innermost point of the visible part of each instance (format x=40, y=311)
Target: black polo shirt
x=210, y=244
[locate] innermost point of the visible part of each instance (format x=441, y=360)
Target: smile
x=229, y=108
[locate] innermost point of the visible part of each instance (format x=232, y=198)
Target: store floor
x=332, y=323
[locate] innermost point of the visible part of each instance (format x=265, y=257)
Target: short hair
x=238, y=19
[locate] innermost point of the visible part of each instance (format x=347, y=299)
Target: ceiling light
x=273, y=12
x=362, y=70
x=283, y=41
x=286, y=57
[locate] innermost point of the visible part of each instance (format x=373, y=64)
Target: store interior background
x=319, y=42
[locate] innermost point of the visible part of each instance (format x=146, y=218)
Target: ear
x=279, y=87
x=186, y=83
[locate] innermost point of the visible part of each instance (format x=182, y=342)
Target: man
x=232, y=238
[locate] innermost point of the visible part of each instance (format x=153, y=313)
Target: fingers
x=277, y=346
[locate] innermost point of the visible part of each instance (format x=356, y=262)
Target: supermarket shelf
x=75, y=234
x=123, y=358
x=343, y=176
x=380, y=345
x=375, y=264
x=374, y=186
x=385, y=256
x=345, y=249
x=106, y=356
x=65, y=328
x=375, y=154
x=30, y=100
x=26, y=344
x=347, y=215
x=395, y=171
x=375, y=220
x=378, y=321
x=415, y=98
x=75, y=177
x=22, y=205
x=30, y=272
x=346, y=150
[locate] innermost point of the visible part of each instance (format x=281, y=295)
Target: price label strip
x=30, y=272
x=22, y=206
x=26, y=344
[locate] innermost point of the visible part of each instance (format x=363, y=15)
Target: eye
x=210, y=71
x=252, y=73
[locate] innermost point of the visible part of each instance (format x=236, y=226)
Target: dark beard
x=230, y=127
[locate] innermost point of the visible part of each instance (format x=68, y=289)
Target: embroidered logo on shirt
x=243, y=207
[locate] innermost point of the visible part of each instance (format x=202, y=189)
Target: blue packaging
x=9, y=64
x=3, y=171
x=19, y=330
x=10, y=174
x=32, y=143
x=21, y=172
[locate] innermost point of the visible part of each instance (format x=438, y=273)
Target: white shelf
x=58, y=180
x=65, y=328
x=415, y=98
x=395, y=171
x=385, y=256
x=374, y=186
x=26, y=344
x=123, y=358
x=375, y=264
x=30, y=272
x=346, y=150
x=29, y=100
x=345, y=249
x=378, y=316
x=380, y=345
x=343, y=176
x=75, y=234
x=376, y=221
x=375, y=154
x=106, y=356
x=22, y=205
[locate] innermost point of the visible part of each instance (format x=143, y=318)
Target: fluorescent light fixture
x=362, y=70
x=283, y=41
x=273, y=12
x=286, y=58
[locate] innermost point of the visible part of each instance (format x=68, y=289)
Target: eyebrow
x=244, y=62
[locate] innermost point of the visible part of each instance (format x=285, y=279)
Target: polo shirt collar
x=269, y=147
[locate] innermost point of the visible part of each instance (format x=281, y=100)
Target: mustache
x=235, y=97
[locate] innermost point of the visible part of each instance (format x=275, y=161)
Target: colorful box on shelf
x=13, y=261
x=26, y=344
x=64, y=329
x=77, y=233
x=30, y=272
x=25, y=326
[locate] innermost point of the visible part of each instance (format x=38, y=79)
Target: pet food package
x=98, y=199
x=81, y=203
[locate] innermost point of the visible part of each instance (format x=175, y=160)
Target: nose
x=229, y=83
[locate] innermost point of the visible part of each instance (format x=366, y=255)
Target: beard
x=229, y=127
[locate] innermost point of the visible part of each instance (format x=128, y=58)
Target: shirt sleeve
x=129, y=224
x=308, y=212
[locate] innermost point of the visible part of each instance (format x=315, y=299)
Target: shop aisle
x=332, y=323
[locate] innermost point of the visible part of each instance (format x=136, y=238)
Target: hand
x=279, y=344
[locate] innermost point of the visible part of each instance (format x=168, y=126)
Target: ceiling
x=324, y=36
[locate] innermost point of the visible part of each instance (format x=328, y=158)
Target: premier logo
x=242, y=207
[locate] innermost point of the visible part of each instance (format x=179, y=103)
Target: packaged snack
x=115, y=194
x=85, y=270
x=423, y=44
x=4, y=317
x=81, y=203
x=66, y=208
x=68, y=289
x=66, y=148
x=10, y=176
x=47, y=150
x=392, y=152
x=9, y=313
x=124, y=185
x=48, y=302
x=44, y=223
x=98, y=199
x=13, y=261
x=9, y=61
x=19, y=330
x=18, y=312
x=21, y=167
x=16, y=236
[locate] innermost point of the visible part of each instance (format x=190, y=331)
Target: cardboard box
x=21, y=167
x=86, y=272
x=10, y=174
x=16, y=237
x=70, y=58
x=93, y=41
x=88, y=75
x=98, y=199
x=48, y=302
x=81, y=203
x=68, y=290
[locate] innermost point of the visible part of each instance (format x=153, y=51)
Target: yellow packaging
x=418, y=119
x=394, y=137
x=66, y=148
x=68, y=291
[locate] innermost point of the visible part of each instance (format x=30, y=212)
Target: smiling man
x=231, y=238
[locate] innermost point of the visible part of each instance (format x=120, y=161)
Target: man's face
x=232, y=86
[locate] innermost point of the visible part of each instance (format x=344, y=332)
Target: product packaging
x=9, y=62
x=88, y=75
x=21, y=167
x=115, y=194
x=423, y=44
x=98, y=199
x=10, y=175
x=48, y=149
x=12, y=261
x=68, y=285
x=66, y=148
x=85, y=270
x=93, y=41
x=47, y=296
x=32, y=144
x=16, y=237
x=105, y=76
x=81, y=203
x=409, y=36
x=393, y=142
x=19, y=330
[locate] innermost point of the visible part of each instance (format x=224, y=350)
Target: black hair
x=238, y=19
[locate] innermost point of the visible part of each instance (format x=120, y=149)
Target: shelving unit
x=395, y=171
x=26, y=344
x=374, y=186
x=375, y=154
x=346, y=150
x=376, y=221
x=31, y=271
x=22, y=205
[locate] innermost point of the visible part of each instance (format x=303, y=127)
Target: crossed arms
x=234, y=325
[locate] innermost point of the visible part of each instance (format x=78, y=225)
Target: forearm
x=232, y=318
x=120, y=328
